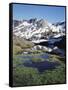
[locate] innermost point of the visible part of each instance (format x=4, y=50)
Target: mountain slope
x=39, y=30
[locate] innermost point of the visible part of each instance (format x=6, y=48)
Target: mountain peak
x=34, y=29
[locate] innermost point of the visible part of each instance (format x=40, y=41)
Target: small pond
x=26, y=60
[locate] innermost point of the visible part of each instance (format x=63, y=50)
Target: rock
x=39, y=47
x=62, y=43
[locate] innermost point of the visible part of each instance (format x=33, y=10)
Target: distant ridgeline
x=38, y=30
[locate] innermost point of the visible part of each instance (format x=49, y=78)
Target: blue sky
x=50, y=13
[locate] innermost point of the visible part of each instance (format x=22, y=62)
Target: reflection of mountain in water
x=41, y=66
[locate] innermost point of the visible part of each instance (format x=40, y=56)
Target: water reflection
x=41, y=66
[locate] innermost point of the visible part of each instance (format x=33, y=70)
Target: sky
x=50, y=13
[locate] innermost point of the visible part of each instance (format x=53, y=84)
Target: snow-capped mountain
x=60, y=25
x=16, y=23
x=39, y=30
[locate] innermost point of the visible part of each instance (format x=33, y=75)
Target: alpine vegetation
x=39, y=48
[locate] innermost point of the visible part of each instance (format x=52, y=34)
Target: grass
x=19, y=45
x=24, y=76
x=37, y=59
x=27, y=76
x=17, y=50
x=56, y=76
x=62, y=59
x=17, y=61
x=54, y=58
